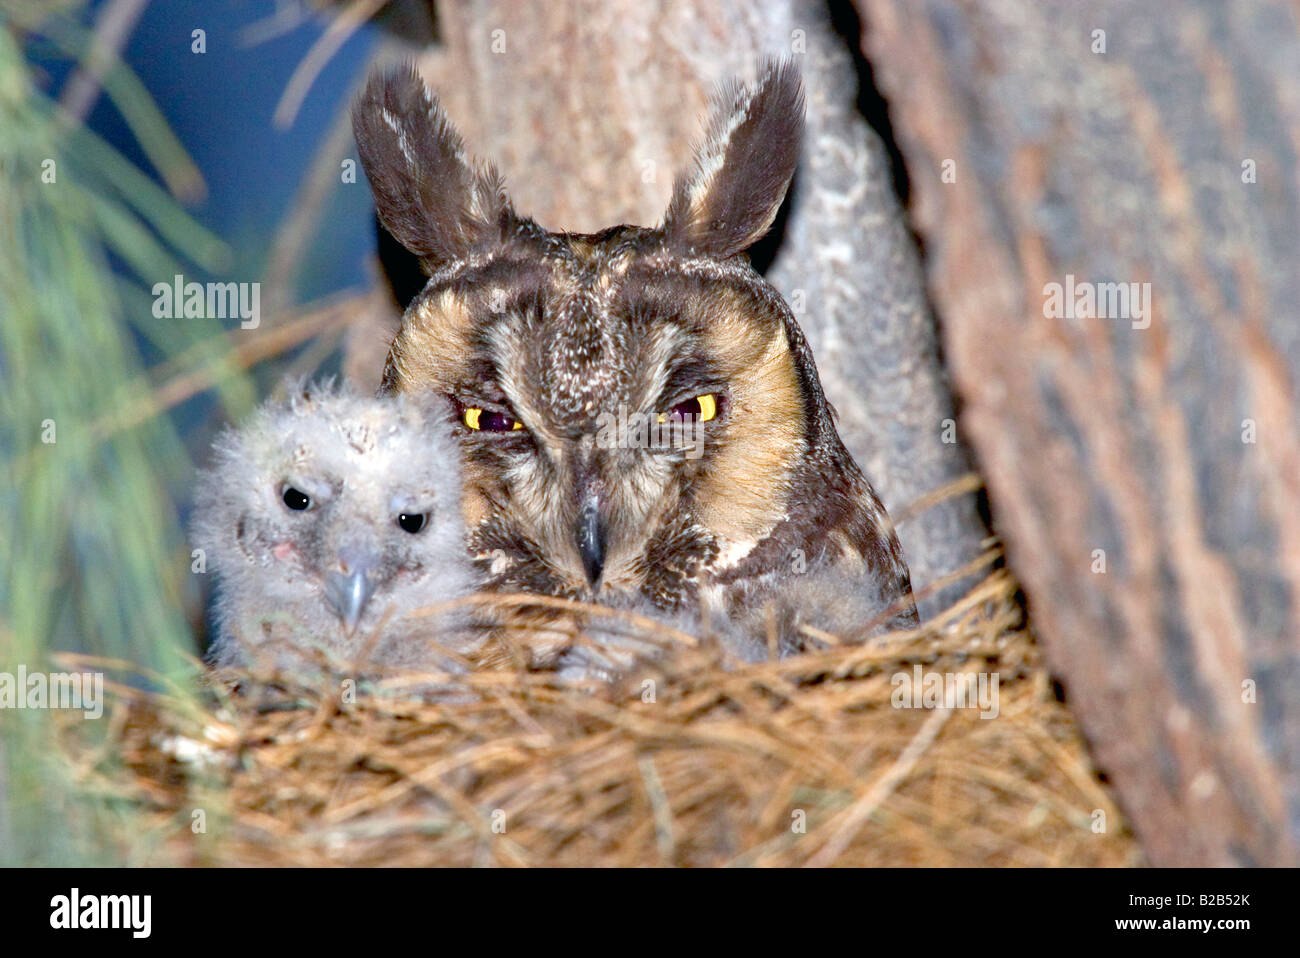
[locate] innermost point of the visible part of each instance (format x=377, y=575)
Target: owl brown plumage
x=641, y=415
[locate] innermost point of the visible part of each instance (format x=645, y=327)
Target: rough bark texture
x=590, y=108
x=1174, y=448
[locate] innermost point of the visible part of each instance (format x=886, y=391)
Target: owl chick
x=831, y=607
x=827, y=607
x=329, y=520
x=641, y=414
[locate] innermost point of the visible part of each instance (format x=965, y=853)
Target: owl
x=641, y=417
x=328, y=520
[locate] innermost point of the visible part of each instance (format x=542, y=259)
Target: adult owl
x=641, y=417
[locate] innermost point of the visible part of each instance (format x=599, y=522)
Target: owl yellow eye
x=702, y=408
x=478, y=418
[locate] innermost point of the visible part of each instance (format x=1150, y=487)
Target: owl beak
x=348, y=594
x=591, y=537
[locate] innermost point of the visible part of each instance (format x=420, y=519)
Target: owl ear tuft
x=742, y=170
x=434, y=199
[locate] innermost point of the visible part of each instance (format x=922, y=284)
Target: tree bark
x=1144, y=470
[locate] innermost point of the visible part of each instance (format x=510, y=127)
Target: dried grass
x=688, y=761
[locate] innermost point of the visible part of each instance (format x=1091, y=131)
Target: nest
x=687, y=760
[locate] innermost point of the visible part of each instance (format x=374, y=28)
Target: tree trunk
x=1143, y=463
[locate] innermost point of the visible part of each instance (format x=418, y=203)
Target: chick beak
x=591, y=537
x=348, y=592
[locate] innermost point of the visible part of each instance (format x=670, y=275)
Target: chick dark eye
x=411, y=522
x=295, y=500
x=477, y=418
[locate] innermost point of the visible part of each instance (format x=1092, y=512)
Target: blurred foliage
x=92, y=546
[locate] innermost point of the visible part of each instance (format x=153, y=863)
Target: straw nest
x=688, y=760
